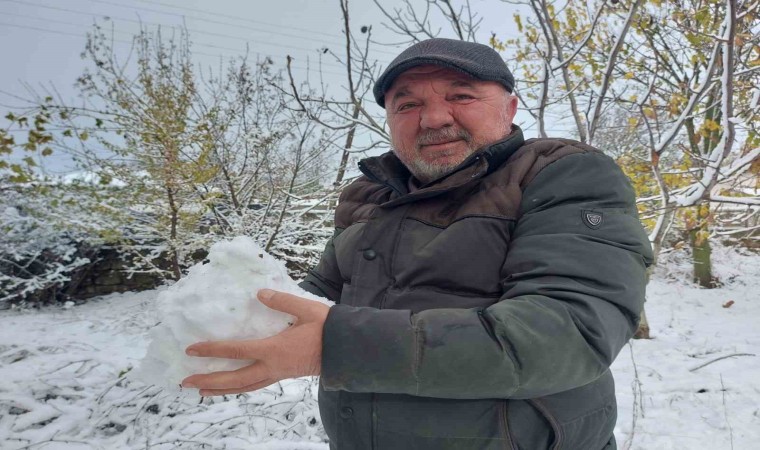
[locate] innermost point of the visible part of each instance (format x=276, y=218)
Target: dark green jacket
x=483, y=310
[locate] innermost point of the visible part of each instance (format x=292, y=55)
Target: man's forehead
x=431, y=71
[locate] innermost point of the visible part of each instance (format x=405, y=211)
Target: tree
x=670, y=70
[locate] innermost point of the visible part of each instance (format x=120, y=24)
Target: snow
x=216, y=301
x=63, y=382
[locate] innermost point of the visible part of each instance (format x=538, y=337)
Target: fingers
x=233, y=379
x=287, y=303
x=248, y=388
x=248, y=349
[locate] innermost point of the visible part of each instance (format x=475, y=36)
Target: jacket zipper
x=373, y=430
x=507, y=435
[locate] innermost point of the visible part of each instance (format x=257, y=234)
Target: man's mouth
x=433, y=144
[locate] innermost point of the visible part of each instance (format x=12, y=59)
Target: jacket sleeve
x=324, y=279
x=572, y=294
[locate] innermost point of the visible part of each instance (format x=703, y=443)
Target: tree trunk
x=347, y=149
x=700, y=248
x=642, y=332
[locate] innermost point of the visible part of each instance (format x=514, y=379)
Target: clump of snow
x=216, y=301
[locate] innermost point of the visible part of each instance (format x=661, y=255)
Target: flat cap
x=477, y=60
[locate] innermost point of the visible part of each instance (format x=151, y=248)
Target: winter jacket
x=483, y=310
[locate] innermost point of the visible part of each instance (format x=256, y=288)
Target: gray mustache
x=442, y=134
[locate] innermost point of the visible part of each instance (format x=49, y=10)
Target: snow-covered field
x=63, y=383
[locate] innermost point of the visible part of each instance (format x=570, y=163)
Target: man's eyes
x=405, y=106
x=453, y=98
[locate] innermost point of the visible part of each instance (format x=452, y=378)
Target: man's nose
x=436, y=115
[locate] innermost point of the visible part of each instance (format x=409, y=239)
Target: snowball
x=215, y=301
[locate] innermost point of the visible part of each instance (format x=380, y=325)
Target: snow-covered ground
x=63, y=383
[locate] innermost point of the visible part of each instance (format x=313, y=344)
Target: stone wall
x=109, y=273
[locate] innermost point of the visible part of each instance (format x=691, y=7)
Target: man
x=484, y=283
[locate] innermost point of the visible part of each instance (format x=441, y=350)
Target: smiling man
x=484, y=283
x=436, y=118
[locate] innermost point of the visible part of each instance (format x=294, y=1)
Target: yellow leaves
x=529, y=75
x=634, y=98
x=675, y=104
x=496, y=44
x=572, y=23
x=711, y=125
x=518, y=22
x=755, y=56
x=532, y=35
x=628, y=75
x=708, y=127
x=649, y=112
x=632, y=122
x=698, y=58
x=656, y=2
x=692, y=38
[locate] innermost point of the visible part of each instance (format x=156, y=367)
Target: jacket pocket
x=529, y=426
x=582, y=418
x=419, y=423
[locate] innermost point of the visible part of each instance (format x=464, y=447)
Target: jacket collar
x=387, y=169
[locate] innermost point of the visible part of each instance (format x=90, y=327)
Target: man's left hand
x=294, y=352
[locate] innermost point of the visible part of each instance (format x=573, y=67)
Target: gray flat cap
x=478, y=60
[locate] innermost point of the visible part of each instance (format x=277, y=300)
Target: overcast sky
x=42, y=39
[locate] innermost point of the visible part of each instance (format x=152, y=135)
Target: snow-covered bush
x=37, y=258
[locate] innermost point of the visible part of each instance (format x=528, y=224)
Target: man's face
x=440, y=116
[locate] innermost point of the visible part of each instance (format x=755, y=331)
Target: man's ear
x=511, y=106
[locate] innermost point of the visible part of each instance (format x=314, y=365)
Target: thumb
x=284, y=302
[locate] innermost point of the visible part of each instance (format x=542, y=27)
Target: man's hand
x=295, y=352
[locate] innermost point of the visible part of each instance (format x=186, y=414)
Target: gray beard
x=425, y=171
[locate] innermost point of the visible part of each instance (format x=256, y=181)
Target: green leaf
x=47, y=151
x=29, y=161
x=18, y=178
x=84, y=135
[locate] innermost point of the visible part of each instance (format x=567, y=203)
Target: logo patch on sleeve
x=592, y=219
